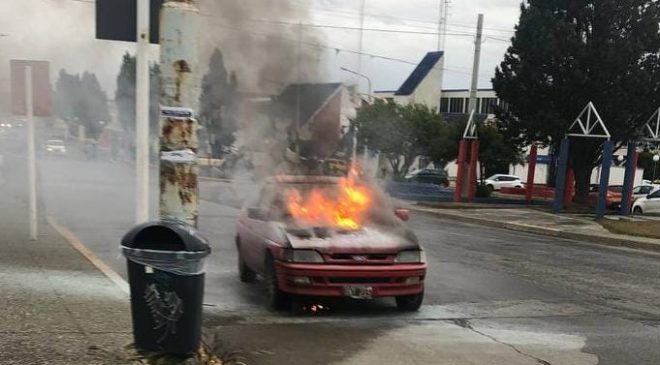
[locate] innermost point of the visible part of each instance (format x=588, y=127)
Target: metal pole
x=560, y=183
x=361, y=42
x=604, y=179
x=531, y=172
x=629, y=179
x=475, y=67
x=462, y=152
x=32, y=168
x=142, y=114
x=472, y=173
x=440, y=21
x=180, y=89
x=445, y=20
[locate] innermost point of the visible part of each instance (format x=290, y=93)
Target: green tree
x=125, y=94
x=404, y=132
x=567, y=53
x=219, y=104
x=81, y=99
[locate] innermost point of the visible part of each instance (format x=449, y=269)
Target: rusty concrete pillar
x=180, y=89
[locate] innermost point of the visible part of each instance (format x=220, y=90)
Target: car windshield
x=55, y=143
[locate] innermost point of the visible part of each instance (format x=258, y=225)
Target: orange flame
x=347, y=208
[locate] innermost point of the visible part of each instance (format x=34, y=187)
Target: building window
x=444, y=105
x=466, y=106
x=456, y=105
x=488, y=105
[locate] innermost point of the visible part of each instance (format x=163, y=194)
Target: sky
x=62, y=31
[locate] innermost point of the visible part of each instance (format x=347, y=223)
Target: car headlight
x=410, y=257
x=303, y=256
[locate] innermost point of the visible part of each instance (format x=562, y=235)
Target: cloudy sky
x=62, y=31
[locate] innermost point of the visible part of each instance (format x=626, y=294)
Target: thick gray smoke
x=262, y=41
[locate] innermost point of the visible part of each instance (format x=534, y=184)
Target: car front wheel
x=245, y=274
x=638, y=210
x=277, y=299
x=409, y=303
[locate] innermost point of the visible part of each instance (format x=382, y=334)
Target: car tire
x=409, y=303
x=277, y=299
x=490, y=187
x=638, y=210
x=245, y=274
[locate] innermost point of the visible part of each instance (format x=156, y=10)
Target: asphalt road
x=492, y=296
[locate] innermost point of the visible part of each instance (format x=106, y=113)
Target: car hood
x=367, y=239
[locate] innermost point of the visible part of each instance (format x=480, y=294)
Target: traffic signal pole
x=180, y=88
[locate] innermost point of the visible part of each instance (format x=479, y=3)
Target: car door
x=497, y=182
x=652, y=204
x=507, y=182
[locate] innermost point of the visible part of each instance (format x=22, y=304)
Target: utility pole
x=32, y=167
x=142, y=114
x=472, y=106
x=442, y=23
x=361, y=41
x=180, y=88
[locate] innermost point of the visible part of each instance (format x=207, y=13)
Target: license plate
x=359, y=292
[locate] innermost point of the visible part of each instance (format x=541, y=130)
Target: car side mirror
x=258, y=214
x=403, y=214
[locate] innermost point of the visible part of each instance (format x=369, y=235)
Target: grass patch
x=649, y=229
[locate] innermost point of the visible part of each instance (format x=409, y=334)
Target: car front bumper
x=332, y=280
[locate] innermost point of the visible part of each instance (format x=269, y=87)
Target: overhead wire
x=338, y=49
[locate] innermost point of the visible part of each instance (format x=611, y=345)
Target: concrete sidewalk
x=567, y=226
x=55, y=307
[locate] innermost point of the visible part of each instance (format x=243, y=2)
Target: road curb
x=89, y=255
x=613, y=241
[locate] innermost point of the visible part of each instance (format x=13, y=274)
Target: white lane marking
x=89, y=255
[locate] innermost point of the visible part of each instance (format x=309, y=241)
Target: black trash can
x=165, y=272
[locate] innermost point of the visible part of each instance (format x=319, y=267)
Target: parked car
x=648, y=204
x=642, y=191
x=498, y=181
x=612, y=198
x=55, y=146
x=429, y=176
x=377, y=258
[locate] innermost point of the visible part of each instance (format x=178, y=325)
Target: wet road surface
x=492, y=296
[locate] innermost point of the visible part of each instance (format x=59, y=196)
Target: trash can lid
x=165, y=235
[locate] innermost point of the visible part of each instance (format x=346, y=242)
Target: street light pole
x=656, y=158
x=361, y=75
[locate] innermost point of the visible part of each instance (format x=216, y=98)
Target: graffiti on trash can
x=166, y=309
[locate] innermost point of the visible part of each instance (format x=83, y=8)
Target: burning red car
x=329, y=237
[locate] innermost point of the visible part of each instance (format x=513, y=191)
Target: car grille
x=366, y=259
x=342, y=280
